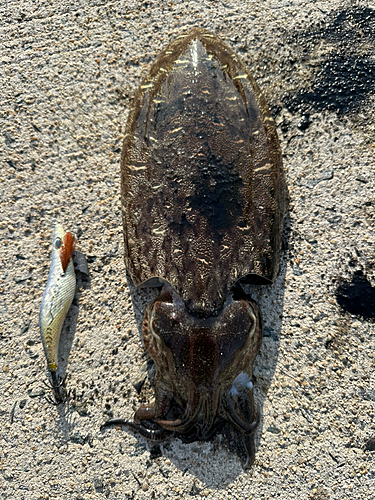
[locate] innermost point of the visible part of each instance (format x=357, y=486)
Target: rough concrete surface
x=68, y=71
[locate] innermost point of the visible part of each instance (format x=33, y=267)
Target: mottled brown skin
x=203, y=204
x=197, y=361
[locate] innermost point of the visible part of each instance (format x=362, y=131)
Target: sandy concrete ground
x=68, y=70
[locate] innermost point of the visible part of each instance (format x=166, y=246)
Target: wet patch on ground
x=344, y=76
x=357, y=296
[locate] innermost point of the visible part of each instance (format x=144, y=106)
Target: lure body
x=58, y=295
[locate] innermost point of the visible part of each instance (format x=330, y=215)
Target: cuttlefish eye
x=240, y=384
x=58, y=243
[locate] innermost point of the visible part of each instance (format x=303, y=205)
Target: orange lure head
x=67, y=249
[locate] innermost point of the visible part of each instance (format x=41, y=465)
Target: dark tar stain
x=370, y=444
x=341, y=85
x=357, y=296
x=346, y=75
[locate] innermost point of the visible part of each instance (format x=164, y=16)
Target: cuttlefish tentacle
x=147, y=416
x=189, y=419
x=158, y=434
x=237, y=419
